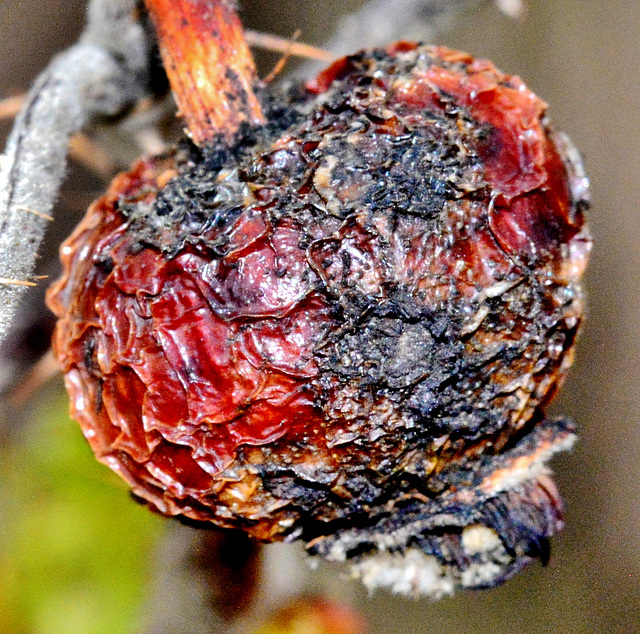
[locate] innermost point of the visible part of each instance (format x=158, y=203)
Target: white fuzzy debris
x=478, y=539
x=481, y=574
x=411, y=573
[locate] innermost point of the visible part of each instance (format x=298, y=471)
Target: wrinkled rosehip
x=346, y=328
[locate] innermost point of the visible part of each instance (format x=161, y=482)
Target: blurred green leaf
x=75, y=551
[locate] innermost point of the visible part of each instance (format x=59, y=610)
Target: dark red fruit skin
x=367, y=307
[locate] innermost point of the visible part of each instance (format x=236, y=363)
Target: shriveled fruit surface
x=346, y=327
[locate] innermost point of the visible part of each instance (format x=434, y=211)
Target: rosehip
x=345, y=328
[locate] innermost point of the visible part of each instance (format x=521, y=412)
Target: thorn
x=7, y=281
x=283, y=45
x=277, y=69
x=11, y=106
x=89, y=154
x=34, y=212
x=46, y=368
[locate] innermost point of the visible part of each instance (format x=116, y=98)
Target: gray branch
x=106, y=71
x=380, y=22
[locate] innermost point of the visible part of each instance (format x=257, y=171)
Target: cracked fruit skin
x=347, y=325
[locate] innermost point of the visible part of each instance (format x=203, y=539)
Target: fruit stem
x=209, y=65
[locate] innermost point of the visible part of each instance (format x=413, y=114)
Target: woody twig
x=102, y=74
x=209, y=65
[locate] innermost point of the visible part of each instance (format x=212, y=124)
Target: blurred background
x=77, y=555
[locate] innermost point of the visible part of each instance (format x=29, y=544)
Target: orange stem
x=209, y=65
